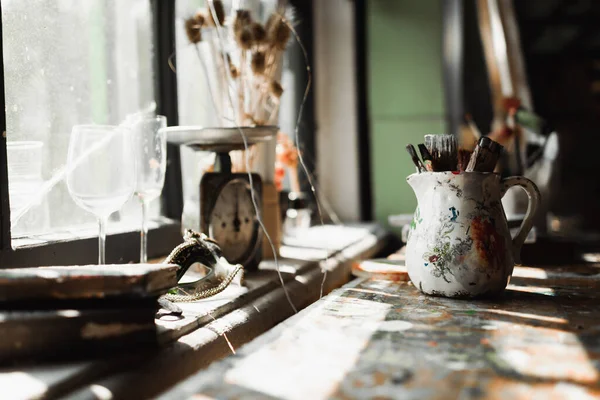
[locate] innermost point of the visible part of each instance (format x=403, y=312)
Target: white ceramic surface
x=459, y=244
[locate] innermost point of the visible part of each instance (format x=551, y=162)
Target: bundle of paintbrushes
x=440, y=153
x=244, y=57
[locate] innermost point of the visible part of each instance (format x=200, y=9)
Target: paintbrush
x=485, y=156
x=442, y=149
x=464, y=156
x=496, y=149
x=481, y=156
x=415, y=158
x=426, y=157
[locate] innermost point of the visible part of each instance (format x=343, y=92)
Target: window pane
x=68, y=62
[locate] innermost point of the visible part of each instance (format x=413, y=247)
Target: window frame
x=303, y=11
x=362, y=110
x=163, y=14
x=122, y=247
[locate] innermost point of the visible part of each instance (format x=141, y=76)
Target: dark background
x=560, y=40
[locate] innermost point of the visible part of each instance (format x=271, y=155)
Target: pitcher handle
x=533, y=193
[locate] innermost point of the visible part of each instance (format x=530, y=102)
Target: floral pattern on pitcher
x=446, y=252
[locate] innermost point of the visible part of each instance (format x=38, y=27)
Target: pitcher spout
x=419, y=184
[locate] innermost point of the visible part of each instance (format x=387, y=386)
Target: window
x=69, y=62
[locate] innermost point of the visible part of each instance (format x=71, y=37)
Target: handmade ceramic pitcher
x=459, y=244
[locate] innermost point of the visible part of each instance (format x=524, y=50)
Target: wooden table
x=209, y=329
x=381, y=339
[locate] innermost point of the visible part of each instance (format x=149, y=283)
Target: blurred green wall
x=405, y=93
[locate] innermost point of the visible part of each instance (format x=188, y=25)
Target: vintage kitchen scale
x=227, y=212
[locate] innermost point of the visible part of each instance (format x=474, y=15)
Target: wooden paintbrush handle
x=485, y=156
x=480, y=160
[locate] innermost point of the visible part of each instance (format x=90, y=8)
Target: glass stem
x=144, y=234
x=102, y=240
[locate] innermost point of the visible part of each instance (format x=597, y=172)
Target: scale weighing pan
x=219, y=139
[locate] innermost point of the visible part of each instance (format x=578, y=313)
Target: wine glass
x=150, y=143
x=101, y=172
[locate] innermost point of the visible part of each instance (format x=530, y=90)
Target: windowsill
x=80, y=247
x=212, y=328
x=88, y=231
x=306, y=264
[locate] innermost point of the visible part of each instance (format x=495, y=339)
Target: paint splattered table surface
x=382, y=339
x=209, y=329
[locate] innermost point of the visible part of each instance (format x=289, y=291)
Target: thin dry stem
x=217, y=10
x=274, y=114
x=241, y=112
x=300, y=158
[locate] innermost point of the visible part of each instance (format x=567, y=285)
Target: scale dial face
x=233, y=223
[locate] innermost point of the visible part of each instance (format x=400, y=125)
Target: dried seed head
x=233, y=70
x=258, y=62
x=275, y=89
x=200, y=19
x=278, y=31
x=219, y=13
x=242, y=20
x=258, y=33
x=193, y=30
x=244, y=38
